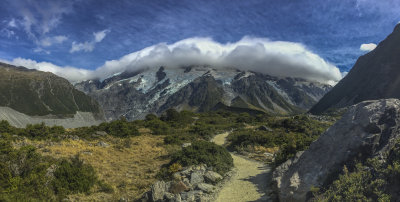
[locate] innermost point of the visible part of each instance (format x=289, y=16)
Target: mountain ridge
x=374, y=76
x=199, y=88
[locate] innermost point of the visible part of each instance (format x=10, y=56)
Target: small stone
x=186, y=171
x=212, y=176
x=178, y=187
x=208, y=188
x=169, y=196
x=265, y=128
x=191, y=195
x=186, y=144
x=101, y=133
x=158, y=191
x=177, y=176
x=102, y=144
x=196, y=177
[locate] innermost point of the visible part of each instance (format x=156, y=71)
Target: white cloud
x=73, y=74
x=88, y=46
x=99, y=36
x=277, y=58
x=41, y=50
x=49, y=41
x=39, y=17
x=368, y=47
x=12, y=23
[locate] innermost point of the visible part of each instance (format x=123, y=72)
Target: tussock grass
x=129, y=165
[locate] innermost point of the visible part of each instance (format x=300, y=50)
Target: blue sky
x=87, y=33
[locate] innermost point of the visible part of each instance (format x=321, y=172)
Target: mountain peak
x=375, y=75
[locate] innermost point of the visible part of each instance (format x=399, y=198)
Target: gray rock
x=265, y=128
x=208, y=188
x=367, y=129
x=178, y=187
x=186, y=144
x=187, y=171
x=102, y=144
x=100, y=133
x=177, y=176
x=196, y=177
x=212, y=177
x=173, y=197
x=158, y=190
x=191, y=195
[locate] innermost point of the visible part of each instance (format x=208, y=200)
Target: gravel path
x=250, y=181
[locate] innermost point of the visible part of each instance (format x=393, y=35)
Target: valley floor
x=251, y=179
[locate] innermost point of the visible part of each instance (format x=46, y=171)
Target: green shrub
x=5, y=127
x=158, y=127
x=202, y=152
x=23, y=174
x=73, y=176
x=104, y=187
x=119, y=128
x=202, y=130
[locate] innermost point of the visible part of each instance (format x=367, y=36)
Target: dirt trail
x=250, y=181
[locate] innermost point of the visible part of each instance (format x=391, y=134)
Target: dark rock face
x=38, y=93
x=200, y=88
x=375, y=75
x=203, y=93
x=368, y=129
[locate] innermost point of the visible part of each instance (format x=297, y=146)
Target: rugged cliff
x=368, y=129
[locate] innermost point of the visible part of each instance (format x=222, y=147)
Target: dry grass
x=129, y=165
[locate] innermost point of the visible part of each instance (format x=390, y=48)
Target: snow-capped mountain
x=199, y=88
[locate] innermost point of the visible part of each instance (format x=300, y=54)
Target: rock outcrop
x=193, y=183
x=368, y=129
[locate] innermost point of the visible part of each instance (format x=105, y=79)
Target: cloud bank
x=367, y=47
x=277, y=58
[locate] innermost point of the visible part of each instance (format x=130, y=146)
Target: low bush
x=119, y=128
x=158, y=127
x=202, y=152
x=73, y=176
x=27, y=176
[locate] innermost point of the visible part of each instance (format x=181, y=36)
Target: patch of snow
x=246, y=74
x=280, y=91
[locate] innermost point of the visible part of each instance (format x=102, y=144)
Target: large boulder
x=368, y=129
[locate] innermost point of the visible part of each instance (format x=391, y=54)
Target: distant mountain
x=375, y=75
x=41, y=95
x=200, y=88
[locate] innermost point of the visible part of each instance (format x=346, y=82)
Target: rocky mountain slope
x=368, y=129
x=375, y=75
x=200, y=88
x=37, y=95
